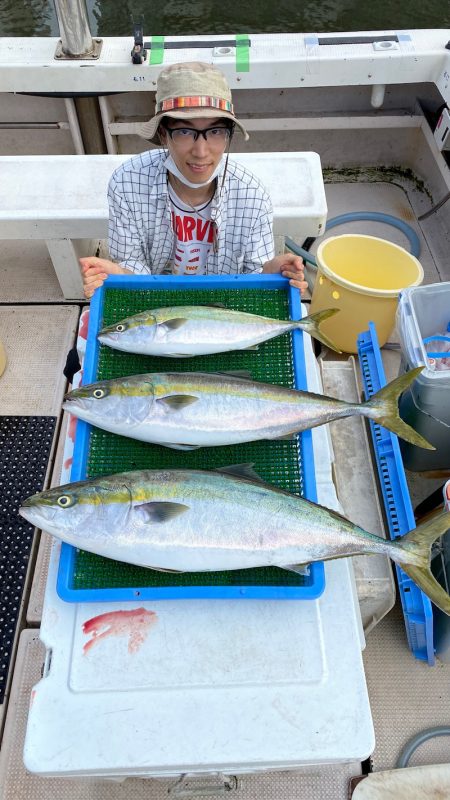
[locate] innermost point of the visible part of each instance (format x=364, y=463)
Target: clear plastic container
x=423, y=310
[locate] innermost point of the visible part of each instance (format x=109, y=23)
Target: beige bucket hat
x=191, y=89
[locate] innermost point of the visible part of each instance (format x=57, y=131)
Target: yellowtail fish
x=182, y=331
x=185, y=410
x=196, y=521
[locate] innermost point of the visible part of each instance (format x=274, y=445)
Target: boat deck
x=38, y=328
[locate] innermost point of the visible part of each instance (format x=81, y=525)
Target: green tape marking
x=157, y=50
x=242, y=52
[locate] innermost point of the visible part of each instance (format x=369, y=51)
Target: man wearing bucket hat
x=186, y=209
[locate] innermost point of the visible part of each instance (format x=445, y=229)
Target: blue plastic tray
x=417, y=608
x=315, y=584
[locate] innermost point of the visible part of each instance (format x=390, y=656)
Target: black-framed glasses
x=213, y=135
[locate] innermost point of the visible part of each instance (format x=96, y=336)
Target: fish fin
x=176, y=402
x=311, y=324
x=176, y=446
x=174, y=571
x=300, y=569
x=419, y=541
x=172, y=324
x=288, y=437
x=383, y=408
x=252, y=347
x=241, y=471
x=212, y=305
x=243, y=374
x=177, y=355
x=159, y=511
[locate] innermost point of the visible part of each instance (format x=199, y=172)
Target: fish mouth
x=75, y=398
x=75, y=406
x=72, y=395
x=28, y=512
x=106, y=336
x=69, y=402
x=35, y=516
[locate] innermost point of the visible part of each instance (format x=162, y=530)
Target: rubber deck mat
x=25, y=447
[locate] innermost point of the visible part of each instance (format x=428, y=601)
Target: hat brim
x=148, y=130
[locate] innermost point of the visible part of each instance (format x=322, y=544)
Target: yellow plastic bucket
x=362, y=276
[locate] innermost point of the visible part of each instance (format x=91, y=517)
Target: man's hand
x=290, y=266
x=94, y=272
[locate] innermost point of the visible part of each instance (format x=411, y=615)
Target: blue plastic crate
x=417, y=608
x=314, y=585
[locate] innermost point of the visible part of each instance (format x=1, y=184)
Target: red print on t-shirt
x=187, y=228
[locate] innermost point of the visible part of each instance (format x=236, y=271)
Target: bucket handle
x=437, y=338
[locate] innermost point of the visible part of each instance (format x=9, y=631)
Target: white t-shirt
x=193, y=233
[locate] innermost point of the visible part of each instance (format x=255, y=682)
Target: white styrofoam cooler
x=232, y=686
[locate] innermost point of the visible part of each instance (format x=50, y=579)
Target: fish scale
x=197, y=521
x=281, y=464
x=187, y=331
x=185, y=410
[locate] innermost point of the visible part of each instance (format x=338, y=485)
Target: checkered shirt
x=141, y=237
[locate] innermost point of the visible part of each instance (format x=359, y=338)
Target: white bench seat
x=62, y=200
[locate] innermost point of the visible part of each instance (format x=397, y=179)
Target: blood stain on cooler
x=134, y=624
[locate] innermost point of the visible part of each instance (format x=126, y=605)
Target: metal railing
x=76, y=39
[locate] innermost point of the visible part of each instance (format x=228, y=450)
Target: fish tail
x=383, y=408
x=418, y=542
x=311, y=325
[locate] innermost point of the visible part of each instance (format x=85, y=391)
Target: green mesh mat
x=279, y=463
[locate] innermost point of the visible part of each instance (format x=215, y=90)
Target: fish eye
x=121, y=327
x=98, y=393
x=64, y=501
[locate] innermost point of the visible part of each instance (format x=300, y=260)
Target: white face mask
x=172, y=167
